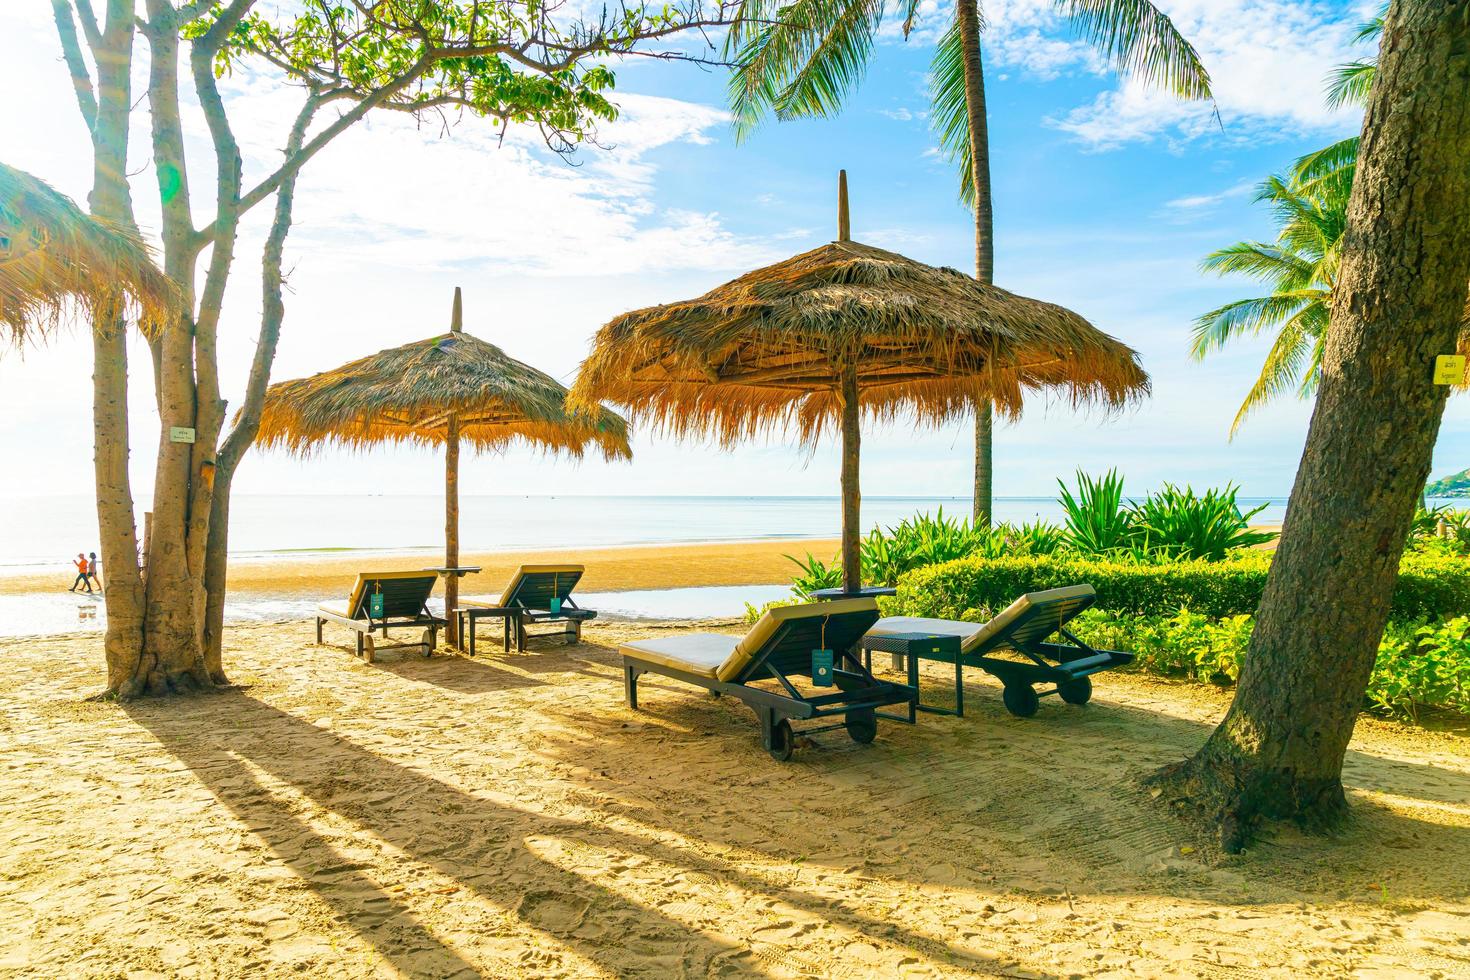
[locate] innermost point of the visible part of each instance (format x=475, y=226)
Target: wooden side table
x=911, y=647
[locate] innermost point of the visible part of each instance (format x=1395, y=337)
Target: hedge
x=1429, y=588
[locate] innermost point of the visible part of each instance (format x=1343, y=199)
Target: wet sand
x=608, y=569
x=509, y=817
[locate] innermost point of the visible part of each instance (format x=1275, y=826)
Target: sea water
x=44, y=533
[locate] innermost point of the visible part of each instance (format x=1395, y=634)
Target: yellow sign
x=1449, y=369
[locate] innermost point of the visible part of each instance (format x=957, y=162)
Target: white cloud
x=1267, y=59
x=1196, y=203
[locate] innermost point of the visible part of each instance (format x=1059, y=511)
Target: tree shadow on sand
x=482, y=840
x=1047, y=803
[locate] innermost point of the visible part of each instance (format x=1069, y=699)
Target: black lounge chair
x=528, y=599
x=405, y=603
x=1014, y=646
x=761, y=669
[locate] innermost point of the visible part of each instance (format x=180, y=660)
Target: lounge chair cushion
x=525, y=570
x=694, y=653
x=334, y=609
x=972, y=635
x=725, y=657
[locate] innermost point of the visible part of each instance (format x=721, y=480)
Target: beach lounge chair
x=1014, y=646
x=536, y=594
x=404, y=603
x=762, y=667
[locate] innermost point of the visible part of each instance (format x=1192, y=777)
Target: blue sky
x=1106, y=198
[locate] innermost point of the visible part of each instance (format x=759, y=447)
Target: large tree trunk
x=968, y=17
x=247, y=424
x=1398, y=303
x=110, y=199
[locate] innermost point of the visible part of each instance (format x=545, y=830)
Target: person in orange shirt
x=83, y=568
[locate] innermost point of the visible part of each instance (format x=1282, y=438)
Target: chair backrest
x=1033, y=617
x=534, y=586
x=786, y=636
x=404, y=593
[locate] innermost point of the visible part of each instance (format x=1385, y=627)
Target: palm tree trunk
x=967, y=15
x=1398, y=303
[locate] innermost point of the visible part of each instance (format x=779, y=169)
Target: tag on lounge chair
x=375, y=605
x=822, y=668
x=555, y=605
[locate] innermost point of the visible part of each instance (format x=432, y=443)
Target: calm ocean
x=44, y=532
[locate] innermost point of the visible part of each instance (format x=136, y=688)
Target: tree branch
x=76, y=65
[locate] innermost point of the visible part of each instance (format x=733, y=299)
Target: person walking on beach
x=82, y=572
x=92, y=576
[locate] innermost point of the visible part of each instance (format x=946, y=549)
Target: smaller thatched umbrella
x=53, y=254
x=842, y=329
x=441, y=391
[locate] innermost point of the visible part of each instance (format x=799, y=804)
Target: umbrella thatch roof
x=53, y=255
x=759, y=352
x=406, y=394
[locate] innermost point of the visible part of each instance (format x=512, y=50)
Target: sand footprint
x=554, y=912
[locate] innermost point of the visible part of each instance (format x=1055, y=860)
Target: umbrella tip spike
x=844, y=223
x=456, y=319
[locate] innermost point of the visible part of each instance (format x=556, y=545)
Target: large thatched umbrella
x=52, y=254
x=845, y=328
x=441, y=391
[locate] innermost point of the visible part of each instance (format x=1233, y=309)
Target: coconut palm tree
x=800, y=58
x=1300, y=267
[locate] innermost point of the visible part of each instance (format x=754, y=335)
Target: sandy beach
x=636, y=567
x=508, y=817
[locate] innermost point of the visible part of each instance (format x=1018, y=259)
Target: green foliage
x=814, y=574
x=1096, y=522
x=1184, y=525
x=1170, y=524
x=924, y=540
x=1418, y=666
x=1440, y=530
x=1298, y=269
x=1428, y=587
x=511, y=60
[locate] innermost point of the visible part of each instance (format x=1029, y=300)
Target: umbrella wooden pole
x=451, y=499
x=852, y=437
x=451, y=529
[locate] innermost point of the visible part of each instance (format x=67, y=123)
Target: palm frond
x=802, y=60
x=1245, y=318
x=1282, y=370
x=1141, y=40
x=1349, y=84
x=950, y=111
x=836, y=64
x=1331, y=160
x=1259, y=260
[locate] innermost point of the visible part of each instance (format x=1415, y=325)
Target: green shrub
x=815, y=574
x=923, y=540
x=1418, y=666
x=1183, y=524
x=1429, y=588
x=1096, y=521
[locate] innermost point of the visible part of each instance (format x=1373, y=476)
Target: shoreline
x=615, y=568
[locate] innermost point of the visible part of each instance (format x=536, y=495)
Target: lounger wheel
x=862, y=725
x=1020, y=700
x=428, y=641
x=1077, y=691
x=367, y=648
x=782, y=741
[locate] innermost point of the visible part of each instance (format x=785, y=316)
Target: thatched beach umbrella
x=846, y=328
x=440, y=391
x=52, y=254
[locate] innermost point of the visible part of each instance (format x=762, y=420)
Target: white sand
x=509, y=817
